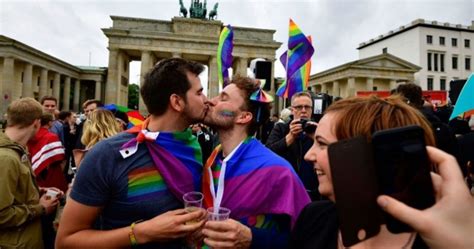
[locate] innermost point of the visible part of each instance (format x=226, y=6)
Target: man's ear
x=177, y=103
x=244, y=118
x=36, y=124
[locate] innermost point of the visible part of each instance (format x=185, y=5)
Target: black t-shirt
x=317, y=227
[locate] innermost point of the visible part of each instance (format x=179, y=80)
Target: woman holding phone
x=317, y=225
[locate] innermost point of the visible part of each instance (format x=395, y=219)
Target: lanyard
x=217, y=197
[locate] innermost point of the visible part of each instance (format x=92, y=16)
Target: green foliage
x=133, y=95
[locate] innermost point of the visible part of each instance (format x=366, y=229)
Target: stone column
x=350, y=87
x=66, y=93
x=335, y=89
x=98, y=88
x=324, y=88
x=43, y=87
x=111, y=86
x=393, y=84
x=213, y=81
x=370, y=84
x=241, y=66
x=8, y=82
x=56, y=86
x=147, y=63
x=77, y=94
x=119, y=94
x=27, y=90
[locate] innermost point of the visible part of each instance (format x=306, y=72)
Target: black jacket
x=294, y=154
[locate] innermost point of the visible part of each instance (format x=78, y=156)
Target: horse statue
x=182, y=9
x=213, y=12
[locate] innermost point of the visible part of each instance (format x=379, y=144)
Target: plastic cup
x=218, y=214
x=192, y=201
x=51, y=194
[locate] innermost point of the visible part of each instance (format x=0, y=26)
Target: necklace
x=405, y=246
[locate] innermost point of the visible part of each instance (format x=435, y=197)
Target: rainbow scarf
x=177, y=156
x=257, y=182
x=224, y=55
x=297, y=62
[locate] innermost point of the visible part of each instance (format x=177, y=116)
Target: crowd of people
x=67, y=182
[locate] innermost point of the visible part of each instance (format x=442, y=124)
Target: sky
x=71, y=29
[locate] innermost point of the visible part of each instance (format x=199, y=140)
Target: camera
x=307, y=127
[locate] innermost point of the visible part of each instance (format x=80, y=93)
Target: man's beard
x=218, y=122
x=191, y=116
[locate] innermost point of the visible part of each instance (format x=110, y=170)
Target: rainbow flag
x=134, y=117
x=177, y=156
x=257, y=182
x=297, y=62
x=465, y=100
x=224, y=55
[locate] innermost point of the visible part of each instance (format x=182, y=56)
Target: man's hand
x=49, y=204
x=450, y=222
x=227, y=234
x=295, y=129
x=170, y=225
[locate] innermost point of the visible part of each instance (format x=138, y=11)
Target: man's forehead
x=302, y=99
x=91, y=106
x=49, y=102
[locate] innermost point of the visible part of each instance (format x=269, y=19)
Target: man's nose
x=212, y=102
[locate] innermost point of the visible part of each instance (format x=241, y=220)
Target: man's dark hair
x=412, y=93
x=43, y=99
x=260, y=111
x=46, y=117
x=167, y=77
x=97, y=102
x=63, y=115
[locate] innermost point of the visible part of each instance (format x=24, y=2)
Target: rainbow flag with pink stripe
x=297, y=62
x=177, y=157
x=224, y=55
x=257, y=182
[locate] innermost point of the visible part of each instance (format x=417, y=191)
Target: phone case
x=355, y=188
x=403, y=170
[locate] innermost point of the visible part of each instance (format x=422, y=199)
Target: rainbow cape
x=297, y=62
x=177, y=156
x=257, y=181
x=224, y=55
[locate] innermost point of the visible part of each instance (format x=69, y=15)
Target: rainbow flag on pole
x=224, y=55
x=297, y=62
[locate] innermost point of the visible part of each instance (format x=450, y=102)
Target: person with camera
x=291, y=140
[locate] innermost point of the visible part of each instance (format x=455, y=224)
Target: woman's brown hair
x=364, y=115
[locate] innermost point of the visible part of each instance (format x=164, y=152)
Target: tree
x=133, y=95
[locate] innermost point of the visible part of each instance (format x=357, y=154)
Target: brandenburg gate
x=148, y=41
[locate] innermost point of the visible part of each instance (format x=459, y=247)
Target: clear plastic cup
x=218, y=214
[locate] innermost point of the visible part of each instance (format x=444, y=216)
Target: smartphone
x=355, y=189
x=403, y=170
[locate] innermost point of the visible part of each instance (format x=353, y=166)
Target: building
x=375, y=73
x=28, y=72
x=444, y=51
x=149, y=40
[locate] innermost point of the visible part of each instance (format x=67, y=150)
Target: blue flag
x=466, y=98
